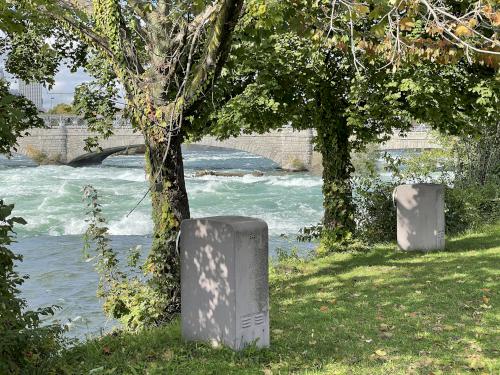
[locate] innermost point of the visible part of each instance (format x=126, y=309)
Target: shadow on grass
x=475, y=241
x=384, y=312
x=412, y=305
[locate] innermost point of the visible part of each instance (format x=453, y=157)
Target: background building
x=32, y=91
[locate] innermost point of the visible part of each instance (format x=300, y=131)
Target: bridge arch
x=93, y=158
x=194, y=158
x=291, y=150
x=267, y=154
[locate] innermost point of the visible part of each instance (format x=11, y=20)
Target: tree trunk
x=338, y=223
x=170, y=206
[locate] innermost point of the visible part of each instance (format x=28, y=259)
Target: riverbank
x=381, y=312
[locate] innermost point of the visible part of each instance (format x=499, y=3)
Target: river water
x=50, y=199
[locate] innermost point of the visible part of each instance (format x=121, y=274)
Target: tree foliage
x=23, y=342
x=17, y=115
x=62, y=109
x=280, y=72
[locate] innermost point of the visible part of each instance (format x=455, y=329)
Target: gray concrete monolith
x=224, y=281
x=420, y=216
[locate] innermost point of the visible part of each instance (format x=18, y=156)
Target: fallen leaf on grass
x=475, y=362
x=168, y=355
x=486, y=300
x=413, y=314
x=384, y=327
x=421, y=335
x=386, y=335
x=323, y=308
x=474, y=346
x=379, y=355
x=425, y=362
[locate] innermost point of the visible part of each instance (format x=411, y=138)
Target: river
x=50, y=199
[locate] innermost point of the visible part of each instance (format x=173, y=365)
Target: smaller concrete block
x=224, y=281
x=420, y=217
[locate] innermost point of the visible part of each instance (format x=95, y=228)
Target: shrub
x=471, y=207
x=296, y=165
x=375, y=214
x=42, y=158
x=24, y=343
x=466, y=208
x=128, y=294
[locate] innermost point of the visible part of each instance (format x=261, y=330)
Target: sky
x=64, y=88
x=62, y=91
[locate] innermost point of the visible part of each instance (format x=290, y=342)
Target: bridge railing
x=420, y=128
x=75, y=121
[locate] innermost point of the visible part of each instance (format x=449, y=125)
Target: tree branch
x=59, y=11
x=218, y=47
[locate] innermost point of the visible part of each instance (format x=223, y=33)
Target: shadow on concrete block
x=420, y=217
x=224, y=281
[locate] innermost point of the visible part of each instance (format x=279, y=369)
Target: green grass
x=381, y=312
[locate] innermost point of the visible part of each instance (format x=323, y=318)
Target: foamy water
x=50, y=199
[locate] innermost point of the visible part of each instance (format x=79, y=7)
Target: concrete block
x=420, y=216
x=224, y=281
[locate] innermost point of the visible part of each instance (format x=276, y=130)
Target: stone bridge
x=63, y=139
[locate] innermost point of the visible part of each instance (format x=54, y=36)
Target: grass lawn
x=381, y=312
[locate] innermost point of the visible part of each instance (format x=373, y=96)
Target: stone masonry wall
x=50, y=142
x=292, y=150
x=63, y=141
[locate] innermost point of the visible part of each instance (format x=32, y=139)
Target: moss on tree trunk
x=170, y=206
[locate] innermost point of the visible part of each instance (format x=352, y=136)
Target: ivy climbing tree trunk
x=170, y=206
x=333, y=143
